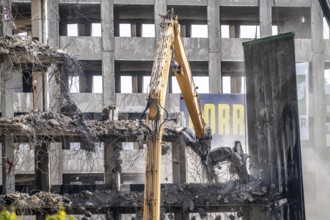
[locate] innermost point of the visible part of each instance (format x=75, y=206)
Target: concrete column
x=133, y=29
x=180, y=215
x=179, y=161
x=160, y=8
x=265, y=17
x=7, y=110
x=213, y=22
x=56, y=163
x=42, y=166
x=38, y=17
x=37, y=84
x=111, y=164
x=53, y=23
x=7, y=102
x=318, y=75
x=135, y=83
x=313, y=188
x=108, y=53
x=53, y=41
x=7, y=17
x=183, y=29
x=8, y=165
x=42, y=171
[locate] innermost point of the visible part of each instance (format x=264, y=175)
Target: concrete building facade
x=115, y=40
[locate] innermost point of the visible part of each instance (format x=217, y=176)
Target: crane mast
x=169, y=53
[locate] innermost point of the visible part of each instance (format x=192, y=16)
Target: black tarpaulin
x=273, y=119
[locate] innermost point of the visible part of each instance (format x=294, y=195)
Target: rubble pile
x=188, y=196
x=39, y=200
x=24, y=50
x=50, y=123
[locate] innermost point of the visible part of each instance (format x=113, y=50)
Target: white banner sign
x=302, y=70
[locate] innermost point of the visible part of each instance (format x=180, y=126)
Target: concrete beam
x=137, y=102
x=213, y=18
x=187, y=2
x=239, y=3
x=83, y=48
x=279, y=3
x=232, y=50
x=80, y=1
x=143, y=49
x=134, y=2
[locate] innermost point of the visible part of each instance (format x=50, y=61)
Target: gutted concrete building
x=113, y=43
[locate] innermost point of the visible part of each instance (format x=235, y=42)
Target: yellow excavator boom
x=170, y=52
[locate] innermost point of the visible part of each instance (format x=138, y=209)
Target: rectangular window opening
x=326, y=34
x=148, y=30
x=74, y=146
x=72, y=30
x=97, y=86
x=225, y=31
x=274, y=30
x=96, y=30
x=74, y=84
x=128, y=145
x=327, y=81
x=243, y=84
x=202, y=84
x=125, y=30
x=126, y=84
x=175, y=85
x=199, y=31
x=226, y=85
x=146, y=84
x=249, y=31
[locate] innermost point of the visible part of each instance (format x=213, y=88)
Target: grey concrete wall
x=232, y=50
x=83, y=48
x=81, y=1
x=134, y=48
x=139, y=48
x=279, y=3
x=137, y=102
x=187, y=2
x=303, y=49
x=238, y=2
x=134, y=2
x=293, y=3
x=88, y=102
x=196, y=48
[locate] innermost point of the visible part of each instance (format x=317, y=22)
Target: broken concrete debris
x=28, y=50
x=193, y=198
